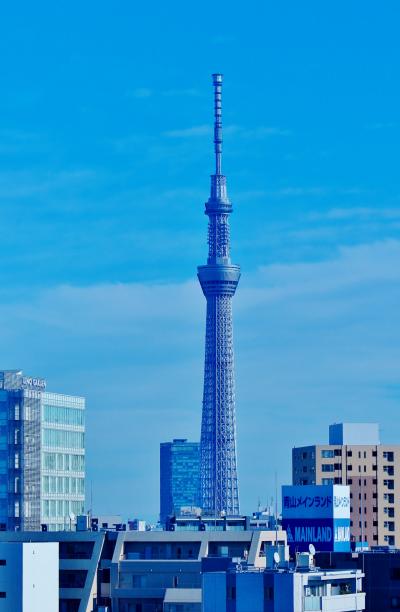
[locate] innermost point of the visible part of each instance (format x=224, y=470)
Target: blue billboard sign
x=318, y=515
x=325, y=534
x=316, y=501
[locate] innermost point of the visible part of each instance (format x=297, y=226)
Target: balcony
x=335, y=603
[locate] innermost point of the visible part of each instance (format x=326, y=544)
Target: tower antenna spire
x=217, y=82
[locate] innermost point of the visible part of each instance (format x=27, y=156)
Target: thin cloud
x=240, y=131
x=140, y=93
x=194, y=131
x=190, y=92
x=360, y=212
x=381, y=125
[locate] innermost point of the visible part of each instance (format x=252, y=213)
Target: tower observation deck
x=218, y=280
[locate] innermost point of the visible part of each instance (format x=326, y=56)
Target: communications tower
x=218, y=280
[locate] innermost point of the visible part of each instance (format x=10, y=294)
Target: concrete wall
x=214, y=592
x=11, y=577
x=29, y=577
x=249, y=591
x=40, y=576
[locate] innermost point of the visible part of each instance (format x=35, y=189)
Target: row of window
x=63, y=462
x=63, y=415
x=63, y=485
x=59, y=438
x=333, y=467
x=337, y=452
x=61, y=508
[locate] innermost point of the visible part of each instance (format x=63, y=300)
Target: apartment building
x=355, y=456
x=161, y=571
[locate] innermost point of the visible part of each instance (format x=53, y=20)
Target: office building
x=28, y=577
x=179, y=477
x=281, y=588
x=218, y=280
x=355, y=456
x=42, y=454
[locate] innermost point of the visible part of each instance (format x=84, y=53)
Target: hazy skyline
x=106, y=151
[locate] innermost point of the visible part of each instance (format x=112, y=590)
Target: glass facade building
x=179, y=477
x=42, y=455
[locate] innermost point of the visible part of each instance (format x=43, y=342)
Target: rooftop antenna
x=217, y=82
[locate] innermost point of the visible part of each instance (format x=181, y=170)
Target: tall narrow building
x=218, y=280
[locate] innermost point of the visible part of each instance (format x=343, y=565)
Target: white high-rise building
x=42, y=455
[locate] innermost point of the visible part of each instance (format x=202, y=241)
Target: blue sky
x=105, y=156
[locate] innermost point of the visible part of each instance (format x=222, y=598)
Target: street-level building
x=354, y=456
x=179, y=477
x=42, y=454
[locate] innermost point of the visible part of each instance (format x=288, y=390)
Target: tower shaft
x=219, y=279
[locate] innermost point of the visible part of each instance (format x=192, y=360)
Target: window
x=3, y=595
x=388, y=455
x=338, y=466
x=349, y=453
x=3, y=562
x=326, y=481
x=304, y=455
x=72, y=579
x=388, y=469
x=395, y=573
x=349, y=468
x=338, y=452
x=63, y=439
x=269, y=593
x=327, y=454
x=349, y=481
x=389, y=484
x=62, y=415
x=328, y=467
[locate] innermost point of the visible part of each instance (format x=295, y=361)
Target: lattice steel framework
x=219, y=279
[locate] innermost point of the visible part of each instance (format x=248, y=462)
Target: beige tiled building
x=354, y=456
